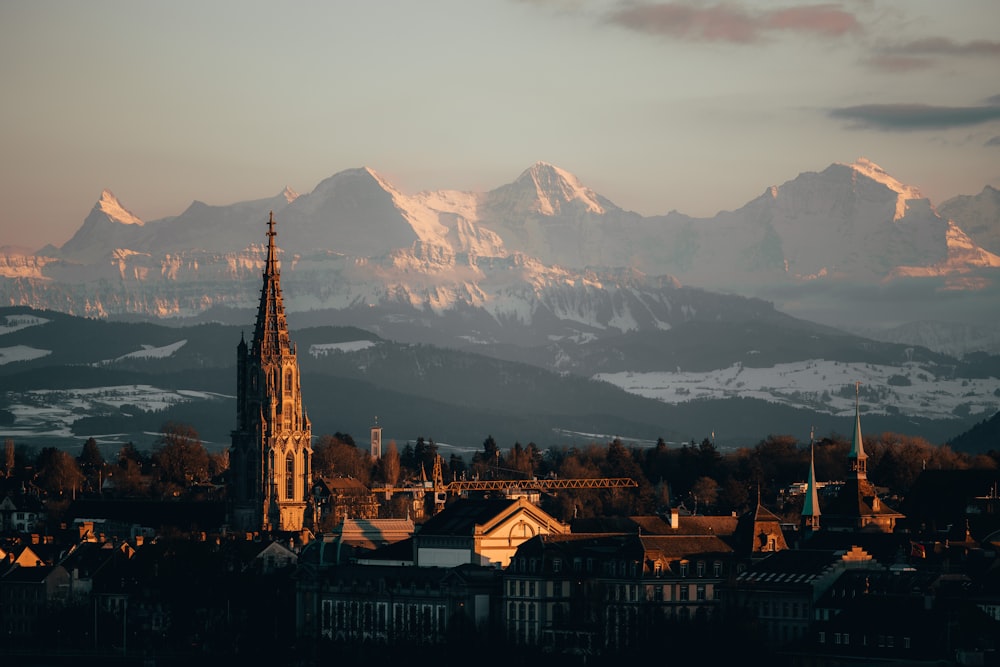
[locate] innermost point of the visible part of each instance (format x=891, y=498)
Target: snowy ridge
x=514, y=251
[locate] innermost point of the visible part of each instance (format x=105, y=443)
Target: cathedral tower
x=271, y=454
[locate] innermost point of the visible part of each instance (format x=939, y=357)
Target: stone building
x=271, y=451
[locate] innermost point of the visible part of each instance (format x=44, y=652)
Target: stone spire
x=271, y=453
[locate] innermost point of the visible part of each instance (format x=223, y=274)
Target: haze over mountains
x=547, y=272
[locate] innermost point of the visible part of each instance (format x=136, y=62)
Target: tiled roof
x=683, y=546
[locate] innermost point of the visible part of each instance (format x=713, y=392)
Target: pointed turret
x=810, y=506
x=856, y=457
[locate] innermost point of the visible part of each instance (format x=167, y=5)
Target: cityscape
x=299, y=548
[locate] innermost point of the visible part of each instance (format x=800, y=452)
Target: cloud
x=916, y=116
x=921, y=53
x=995, y=141
x=731, y=23
x=942, y=46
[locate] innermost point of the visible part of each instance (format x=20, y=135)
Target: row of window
x=365, y=619
x=616, y=568
x=882, y=641
x=521, y=588
x=783, y=609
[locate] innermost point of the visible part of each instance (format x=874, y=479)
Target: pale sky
x=696, y=107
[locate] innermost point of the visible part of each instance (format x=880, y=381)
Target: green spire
x=810, y=506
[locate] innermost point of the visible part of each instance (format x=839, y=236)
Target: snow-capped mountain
x=833, y=245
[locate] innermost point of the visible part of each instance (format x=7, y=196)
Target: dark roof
x=32, y=575
x=886, y=548
x=794, y=564
x=461, y=517
x=202, y=515
x=605, y=524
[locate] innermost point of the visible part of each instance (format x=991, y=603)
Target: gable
x=522, y=518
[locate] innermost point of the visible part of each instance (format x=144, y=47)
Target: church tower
x=271, y=454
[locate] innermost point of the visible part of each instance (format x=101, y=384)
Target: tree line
x=698, y=476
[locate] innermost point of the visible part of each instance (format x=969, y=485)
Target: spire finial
x=272, y=267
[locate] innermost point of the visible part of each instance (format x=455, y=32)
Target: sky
x=696, y=107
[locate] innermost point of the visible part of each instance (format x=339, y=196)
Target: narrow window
x=290, y=476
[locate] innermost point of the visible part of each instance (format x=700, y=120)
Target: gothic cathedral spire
x=271, y=454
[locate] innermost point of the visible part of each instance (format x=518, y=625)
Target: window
x=701, y=568
x=556, y=564
x=684, y=592
x=701, y=591
x=716, y=569
x=290, y=476
x=684, y=568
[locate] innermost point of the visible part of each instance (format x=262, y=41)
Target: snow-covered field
x=827, y=386
x=51, y=412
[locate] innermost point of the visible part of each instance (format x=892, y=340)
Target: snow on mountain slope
x=815, y=384
x=147, y=352
x=523, y=249
x=978, y=216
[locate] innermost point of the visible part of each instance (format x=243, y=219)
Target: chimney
x=675, y=518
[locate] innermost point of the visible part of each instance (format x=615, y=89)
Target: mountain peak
x=555, y=187
x=109, y=205
x=289, y=194
x=869, y=169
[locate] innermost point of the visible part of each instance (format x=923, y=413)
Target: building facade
x=271, y=451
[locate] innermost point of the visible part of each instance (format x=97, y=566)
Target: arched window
x=288, y=381
x=290, y=476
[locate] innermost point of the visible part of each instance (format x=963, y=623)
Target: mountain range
x=846, y=265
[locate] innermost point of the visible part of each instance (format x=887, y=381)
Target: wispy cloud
x=994, y=141
x=732, y=23
x=925, y=52
x=915, y=116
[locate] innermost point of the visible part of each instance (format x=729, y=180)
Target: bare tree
x=390, y=464
x=58, y=472
x=180, y=457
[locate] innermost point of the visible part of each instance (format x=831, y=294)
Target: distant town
x=295, y=548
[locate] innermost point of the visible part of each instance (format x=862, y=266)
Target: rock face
x=543, y=252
